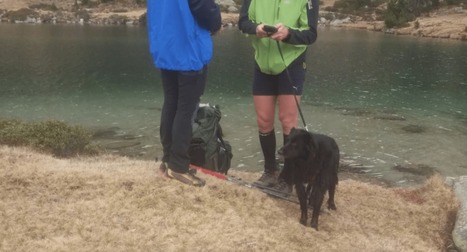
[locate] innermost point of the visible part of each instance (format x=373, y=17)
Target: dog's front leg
x=302, y=198
x=318, y=195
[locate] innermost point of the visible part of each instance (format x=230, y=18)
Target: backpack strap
x=219, y=135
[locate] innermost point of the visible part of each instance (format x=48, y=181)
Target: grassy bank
x=109, y=203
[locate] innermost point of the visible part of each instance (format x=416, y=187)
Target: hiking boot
x=186, y=178
x=268, y=179
x=282, y=188
x=163, y=169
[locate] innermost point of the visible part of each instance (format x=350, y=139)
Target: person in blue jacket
x=181, y=47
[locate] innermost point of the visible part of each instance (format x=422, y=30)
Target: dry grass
x=112, y=203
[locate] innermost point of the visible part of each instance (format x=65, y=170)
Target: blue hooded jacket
x=180, y=33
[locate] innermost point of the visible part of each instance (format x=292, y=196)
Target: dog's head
x=300, y=143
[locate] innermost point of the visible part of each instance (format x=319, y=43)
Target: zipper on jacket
x=278, y=9
x=271, y=41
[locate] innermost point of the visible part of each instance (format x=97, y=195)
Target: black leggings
x=182, y=92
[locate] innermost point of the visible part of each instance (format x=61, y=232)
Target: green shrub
x=55, y=137
x=398, y=14
x=21, y=14
x=355, y=6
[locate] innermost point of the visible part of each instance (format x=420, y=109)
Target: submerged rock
x=413, y=128
x=120, y=144
x=415, y=169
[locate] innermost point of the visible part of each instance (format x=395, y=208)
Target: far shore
x=444, y=23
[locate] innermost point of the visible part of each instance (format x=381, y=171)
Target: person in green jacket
x=279, y=72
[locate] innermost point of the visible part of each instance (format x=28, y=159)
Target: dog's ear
x=293, y=130
x=311, y=144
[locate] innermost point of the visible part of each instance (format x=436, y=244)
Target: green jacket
x=300, y=16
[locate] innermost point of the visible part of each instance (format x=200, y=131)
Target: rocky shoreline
x=445, y=23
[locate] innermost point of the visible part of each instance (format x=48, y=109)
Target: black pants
x=182, y=92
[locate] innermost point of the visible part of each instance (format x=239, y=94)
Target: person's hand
x=282, y=32
x=260, y=33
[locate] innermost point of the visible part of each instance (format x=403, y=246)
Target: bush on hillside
x=363, y=8
x=398, y=14
x=54, y=137
x=21, y=14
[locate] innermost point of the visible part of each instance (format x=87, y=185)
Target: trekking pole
x=209, y=172
x=222, y=176
x=238, y=181
x=293, y=86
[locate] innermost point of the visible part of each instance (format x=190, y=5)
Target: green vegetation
x=355, y=6
x=55, y=137
x=21, y=14
x=398, y=12
x=363, y=8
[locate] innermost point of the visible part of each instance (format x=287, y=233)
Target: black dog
x=311, y=159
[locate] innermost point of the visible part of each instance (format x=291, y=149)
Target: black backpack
x=208, y=149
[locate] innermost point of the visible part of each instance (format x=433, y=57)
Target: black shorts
x=267, y=84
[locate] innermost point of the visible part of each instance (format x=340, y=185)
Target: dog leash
x=293, y=86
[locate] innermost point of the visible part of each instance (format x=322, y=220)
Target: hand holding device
x=269, y=29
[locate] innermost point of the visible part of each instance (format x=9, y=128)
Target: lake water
x=397, y=106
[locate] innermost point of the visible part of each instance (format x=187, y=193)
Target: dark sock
x=268, y=146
